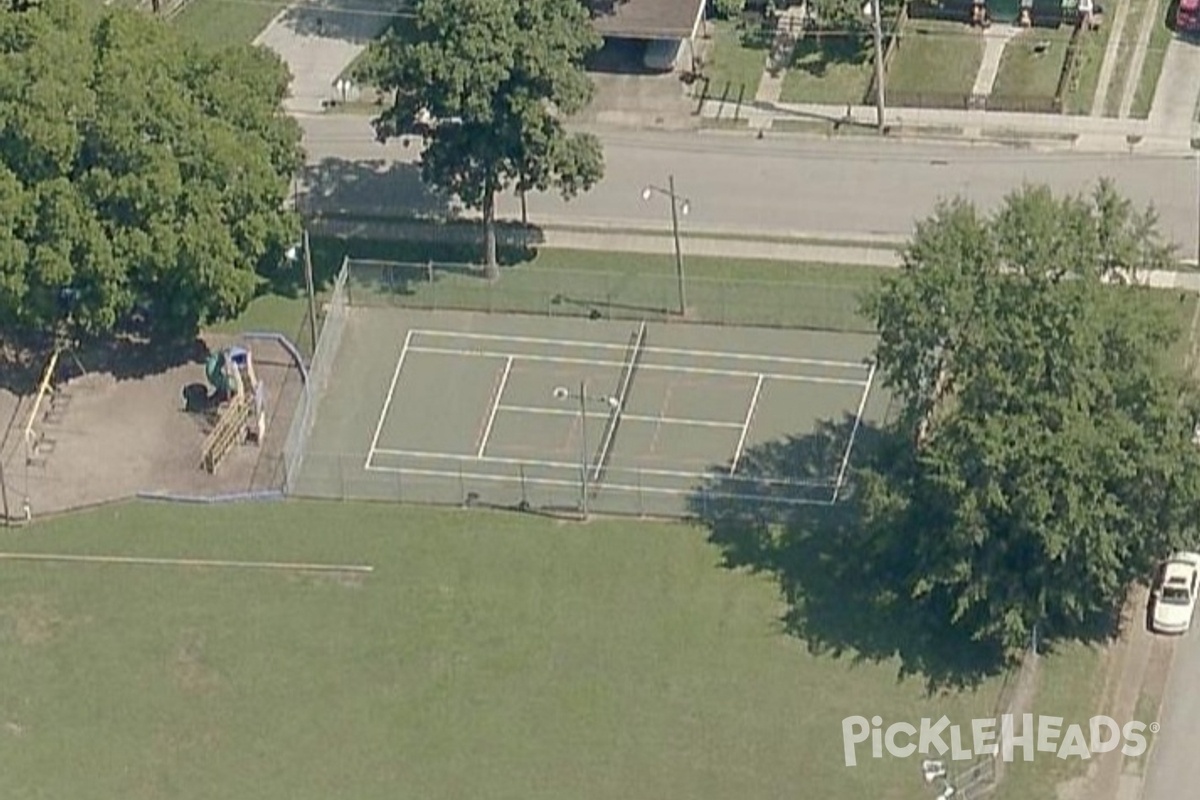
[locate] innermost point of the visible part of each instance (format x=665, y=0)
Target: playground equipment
x=241, y=410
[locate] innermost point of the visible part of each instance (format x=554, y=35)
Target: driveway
x=628, y=94
x=1174, y=108
x=318, y=41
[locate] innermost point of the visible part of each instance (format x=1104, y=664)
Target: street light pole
x=583, y=449
x=678, y=249
x=877, y=24
x=312, y=301
x=679, y=205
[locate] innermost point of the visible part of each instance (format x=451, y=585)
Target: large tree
x=1051, y=459
x=487, y=85
x=137, y=173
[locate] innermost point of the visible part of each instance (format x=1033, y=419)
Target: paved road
x=1174, y=770
x=770, y=185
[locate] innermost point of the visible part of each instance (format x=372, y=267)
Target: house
x=668, y=28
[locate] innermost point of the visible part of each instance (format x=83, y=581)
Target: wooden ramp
x=227, y=433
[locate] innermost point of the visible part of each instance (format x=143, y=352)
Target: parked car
x=1174, y=594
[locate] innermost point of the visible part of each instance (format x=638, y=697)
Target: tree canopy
x=137, y=173
x=487, y=86
x=1051, y=422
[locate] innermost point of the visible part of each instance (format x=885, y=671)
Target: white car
x=1175, y=593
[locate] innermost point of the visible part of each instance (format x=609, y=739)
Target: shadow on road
x=337, y=186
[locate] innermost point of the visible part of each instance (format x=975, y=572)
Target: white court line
x=387, y=402
x=817, y=362
x=655, y=367
x=484, y=476
x=571, y=466
x=741, y=445
x=487, y=431
x=862, y=404
x=562, y=412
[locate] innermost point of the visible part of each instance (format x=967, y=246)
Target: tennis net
x=633, y=354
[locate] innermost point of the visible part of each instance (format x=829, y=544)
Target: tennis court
x=572, y=414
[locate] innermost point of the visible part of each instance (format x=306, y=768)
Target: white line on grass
x=562, y=412
x=186, y=562
x=741, y=445
x=491, y=420
x=862, y=404
x=387, y=402
x=645, y=367
x=816, y=362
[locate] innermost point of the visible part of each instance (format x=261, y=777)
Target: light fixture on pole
x=562, y=393
x=679, y=205
x=293, y=254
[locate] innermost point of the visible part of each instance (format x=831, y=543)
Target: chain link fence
x=832, y=304
x=317, y=378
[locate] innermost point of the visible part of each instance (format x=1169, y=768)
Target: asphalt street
x=1174, y=770
x=773, y=185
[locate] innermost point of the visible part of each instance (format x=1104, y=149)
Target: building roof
x=645, y=19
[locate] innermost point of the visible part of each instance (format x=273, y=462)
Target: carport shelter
x=647, y=20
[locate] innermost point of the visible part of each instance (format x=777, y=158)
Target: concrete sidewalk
x=318, y=42
x=1100, y=134
x=866, y=251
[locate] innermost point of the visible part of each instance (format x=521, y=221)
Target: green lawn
x=497, y=656
x=1069, y=685
x=735, y=63
x=1032, y=64
x=573, y=282
x=1082, y=89
x=935, y=57
x=218, y=23
x=1160, y=38
x=828, y=69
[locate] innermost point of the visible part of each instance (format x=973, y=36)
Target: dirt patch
x=109, y=433
x=32, y=620
x=192, y=675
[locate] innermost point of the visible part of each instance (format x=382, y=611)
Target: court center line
x=653, y=367
x=741, y=445
x=697, y=423
x=573, y=467
x=491, y=420
x=574, y=484
x=862, y=404
x=817, y=362
x=387, y=401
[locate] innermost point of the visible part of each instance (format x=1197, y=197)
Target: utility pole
x=877, y=24
x=312, y=299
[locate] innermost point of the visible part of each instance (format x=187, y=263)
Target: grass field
x=829, y=69
x=1032, y=64
x=220, y=23
x=1082, y=90
x=487, y=656
x=1156, y=53
x=734, y=68
x=935, y=57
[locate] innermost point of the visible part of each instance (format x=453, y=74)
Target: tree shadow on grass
x=814, y=55
x=845, y=591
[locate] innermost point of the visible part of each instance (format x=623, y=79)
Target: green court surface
x=565, y=414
